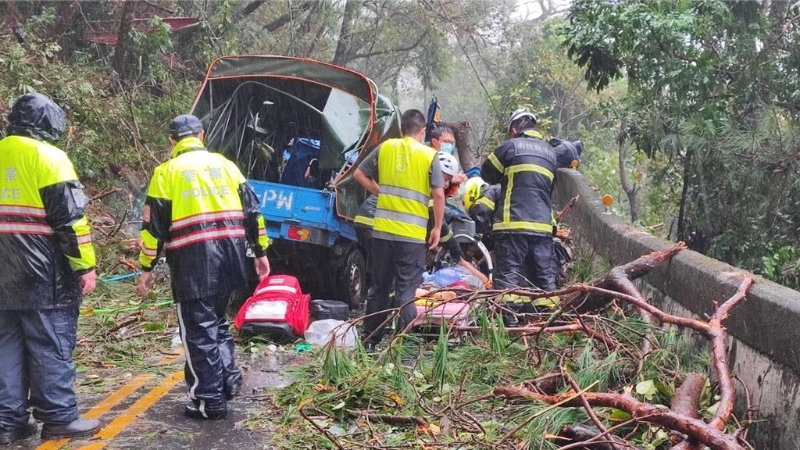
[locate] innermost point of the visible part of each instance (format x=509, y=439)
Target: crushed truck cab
x=297, y=128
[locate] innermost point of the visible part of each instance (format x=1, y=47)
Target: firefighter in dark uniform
x=46, y=243
x=201, y=214
x=405, y=175
x=479, y=201
x=525, y=168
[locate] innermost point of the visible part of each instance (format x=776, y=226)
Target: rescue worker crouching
x=404, y=174
x=522, y=228
x=46, y=242
x=451, y=173
x=201, y=214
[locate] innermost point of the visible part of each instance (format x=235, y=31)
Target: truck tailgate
x=288, y=208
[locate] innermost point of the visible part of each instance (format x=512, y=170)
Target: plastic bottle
x=446, y=277
x=320, y=332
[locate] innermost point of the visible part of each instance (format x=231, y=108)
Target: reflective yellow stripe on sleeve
x=496, y=163
x=149, y=250
x=87, y=258
x=485, y=201
x=263, y=239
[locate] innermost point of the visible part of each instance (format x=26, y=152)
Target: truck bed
x=301, y=214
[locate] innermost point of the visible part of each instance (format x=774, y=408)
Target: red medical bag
x=278, y=309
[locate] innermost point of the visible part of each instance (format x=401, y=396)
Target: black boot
x=76, y=428
x=194, y=412
x=234, y=390
x=8, y=436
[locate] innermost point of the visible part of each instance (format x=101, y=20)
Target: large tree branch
x=658, y=415
x=407, y=48
x=251, y=8
x=630, y=271
x=284, y=19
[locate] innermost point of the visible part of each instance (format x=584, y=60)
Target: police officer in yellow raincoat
x=201, y=214
x=46, y=246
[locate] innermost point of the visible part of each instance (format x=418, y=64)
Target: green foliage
x=713, y=100
x=435, y=380
x=106, y=129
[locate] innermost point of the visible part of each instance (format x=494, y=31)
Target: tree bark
x=286, y=18
x=342, y=55
x=630, y=190
x=646, y=412
x=461, y=131
x=124, y=37
x=63, y=27
x=684, y=194
x=251, y=8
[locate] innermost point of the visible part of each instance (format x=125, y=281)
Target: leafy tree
x=714, y=87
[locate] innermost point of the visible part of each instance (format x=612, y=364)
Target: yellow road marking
x=128, y=416
x=170, y=358
x=103, y=407
x=113, y=400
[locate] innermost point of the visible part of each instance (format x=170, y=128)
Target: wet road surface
x=144, y=411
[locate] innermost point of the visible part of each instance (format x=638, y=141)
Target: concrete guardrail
x=764, y=344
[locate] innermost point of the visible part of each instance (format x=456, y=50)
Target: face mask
x=447, y=147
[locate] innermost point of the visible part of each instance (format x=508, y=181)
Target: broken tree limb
x=588, y=438
x=657, y=415
x=685, y=401
x=389, y=418
x=588, y=408
x=679, y=419
x=719, y=349
x=563, y=213
x=629, y=271
x=571, y=328
x=687, y=397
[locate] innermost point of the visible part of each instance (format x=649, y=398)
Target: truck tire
x=351, y=277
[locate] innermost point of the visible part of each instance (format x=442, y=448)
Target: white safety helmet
x=520, y=113
x=448, y=163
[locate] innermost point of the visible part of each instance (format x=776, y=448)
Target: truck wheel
x=350, y=281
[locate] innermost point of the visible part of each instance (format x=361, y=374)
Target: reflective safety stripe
x=207, y=217
x=527, y=226
x=85, y=239
x=403, y=172
x=487, y=202
x=529, y=168
x=410, y=219
x=515, y=298
x=405, y=193
x=29, y=211
x=447, y=236
x=364, y=220
x=151, y=252
x=262, y=231
x=25, y=228
x=276, y=288
x=496, y=163
x=205, y=235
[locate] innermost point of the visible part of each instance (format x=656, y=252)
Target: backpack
x=277, y=309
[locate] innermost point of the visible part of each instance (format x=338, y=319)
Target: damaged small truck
x=297, y=128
